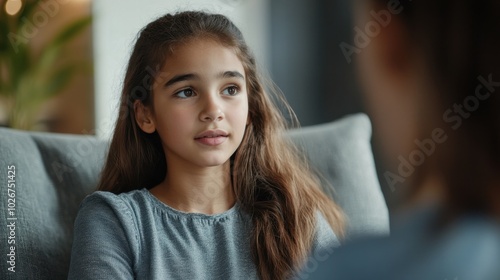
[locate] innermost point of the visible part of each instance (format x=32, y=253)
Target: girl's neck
x=204, y=190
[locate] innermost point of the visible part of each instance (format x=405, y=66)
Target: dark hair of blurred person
x=432, y=83
x=430, y=70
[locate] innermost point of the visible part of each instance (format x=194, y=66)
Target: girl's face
x=200, y=104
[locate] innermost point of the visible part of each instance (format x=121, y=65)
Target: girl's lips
x=211, y=141
x=212, y=137
x=211, y=133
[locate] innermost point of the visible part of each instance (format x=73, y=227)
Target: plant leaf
x=47, y=58
x=51, y=52
x=71, y=30
x=19, y=64
x=59, y=80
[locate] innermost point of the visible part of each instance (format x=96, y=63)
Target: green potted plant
x=28, y=78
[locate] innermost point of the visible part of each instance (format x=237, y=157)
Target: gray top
x=135, y=236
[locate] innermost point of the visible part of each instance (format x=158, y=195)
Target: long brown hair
x=270, y=180
x=459, y=44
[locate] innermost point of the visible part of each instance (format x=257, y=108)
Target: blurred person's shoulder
x=467, y=249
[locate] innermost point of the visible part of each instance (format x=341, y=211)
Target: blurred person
x=431, y=76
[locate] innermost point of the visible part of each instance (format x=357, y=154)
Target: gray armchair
x=50, y=174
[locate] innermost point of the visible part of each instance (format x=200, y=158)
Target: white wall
x=117, y=22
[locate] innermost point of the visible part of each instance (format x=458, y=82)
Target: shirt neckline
x=165, y=207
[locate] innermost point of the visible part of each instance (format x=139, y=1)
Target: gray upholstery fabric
x=340, y=152
x=53, y=173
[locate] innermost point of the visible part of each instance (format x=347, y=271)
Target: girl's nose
x=212, y=110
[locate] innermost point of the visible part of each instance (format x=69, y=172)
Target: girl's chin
x=214, y=162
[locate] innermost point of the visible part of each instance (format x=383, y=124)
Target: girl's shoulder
x=115, y=201
x=126, y=207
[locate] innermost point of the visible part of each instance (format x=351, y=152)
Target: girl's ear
x=143, y=117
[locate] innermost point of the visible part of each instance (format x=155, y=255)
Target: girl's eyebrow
x=192, y=76
x=231, y=74
x=180, y=78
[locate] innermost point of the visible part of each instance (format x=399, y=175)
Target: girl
x=199, y=182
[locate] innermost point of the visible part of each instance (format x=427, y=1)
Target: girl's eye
x=185, y=93
x=231, y=91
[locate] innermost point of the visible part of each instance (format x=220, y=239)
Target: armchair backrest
x=46, y=176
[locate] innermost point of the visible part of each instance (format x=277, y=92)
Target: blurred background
x=62, y=62
x=46, y=78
